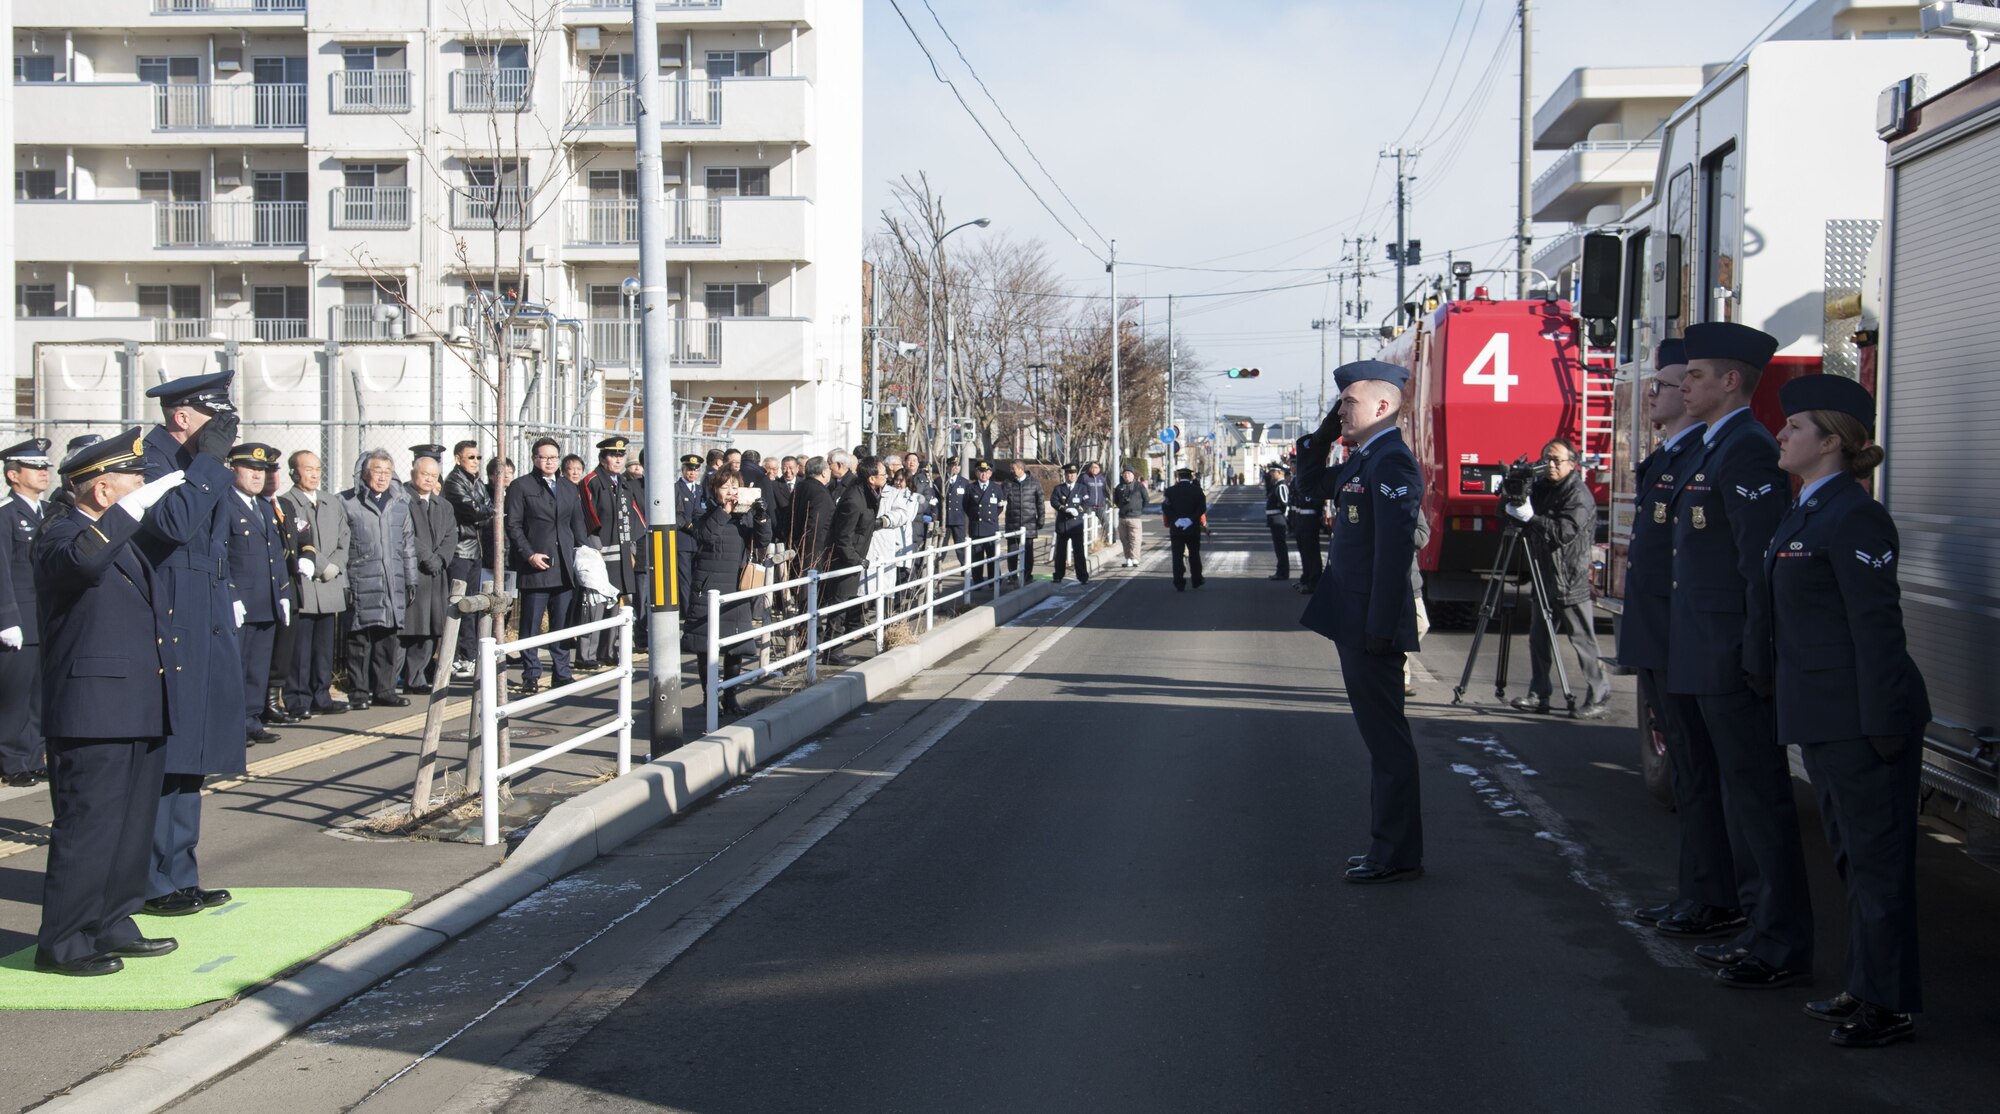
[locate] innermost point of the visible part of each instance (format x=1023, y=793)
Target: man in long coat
x=434, y=531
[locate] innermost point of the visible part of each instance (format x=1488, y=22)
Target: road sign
x=1168, y=435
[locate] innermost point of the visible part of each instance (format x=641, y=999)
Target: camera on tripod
x=1519, y=477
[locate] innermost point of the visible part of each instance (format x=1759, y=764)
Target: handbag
x=754, y=575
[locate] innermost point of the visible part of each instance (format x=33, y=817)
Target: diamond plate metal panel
x=1847, y=244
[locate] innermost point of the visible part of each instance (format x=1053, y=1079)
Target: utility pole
x=1117, y=431
x=874, y=332
x=1403, y=251
x=1175, y=443
x=1322, y=325
x=663, y=622
x=1358, y=308
x=1524, y=231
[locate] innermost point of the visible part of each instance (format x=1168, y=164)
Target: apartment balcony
x=136, y=231
x=1590, y=174
x=615, y=342
x=229, y=224
x=140, y=114
x=1596, y=95
x=372, y=208
x=704, y=13
x=161, y=16
x=491, y=90
x=232, y=108
x=726, y=110
x=486, y=208
x=229, y=328
x=761, y=348
x=708, y=228
x=374, y=321
x=368, y=92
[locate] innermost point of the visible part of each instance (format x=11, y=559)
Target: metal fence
x=230, y=107
x=614, y=221
x=370, y=91
x=229, y=224
x=493, y=774
x=480, y=89
x=371, y=207
x=487, y=207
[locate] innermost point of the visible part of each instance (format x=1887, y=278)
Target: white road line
x=534, y=1055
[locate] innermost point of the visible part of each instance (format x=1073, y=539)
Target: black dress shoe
x=359, y=703
x=1198, y=582
x=177, y=904
x=146, y=947
x=263, y=735
x=1838, y=1008
x=333, y=709
x=1370, y=873
x=1529, y=704
x=1699, y=921
x=528, y=685
x=1873, y=1027
x=1651, y=914
x=416, y=690
x=841, y=657
x=300, y=716
x=209, y=899
x=1356, y=860
x=391, y=700
x=82, y=968
x=26, y=779
x=1180, y=587
x=1751, y=973
x=275, y=716
x=1720, y=955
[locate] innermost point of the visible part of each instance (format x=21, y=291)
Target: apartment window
x=280, y=311
x=369, y=309
x=34, y=67
x=183, y=69
x=737, y=299
x=739, y=181
x=371, y=79
x=739, y=63
x=37, y=185
x=177, y=308
x=372, y=292
x=37, y=299
x=496, y=78
x=609, y=67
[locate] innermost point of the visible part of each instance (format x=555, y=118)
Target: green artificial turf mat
x=223, y=950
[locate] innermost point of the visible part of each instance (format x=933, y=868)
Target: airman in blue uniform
x=186, y=539
x=22, y=511
x=1723, y=522
x=1706, y=902
x=107, y=704
x=1849, y=696
x=259, y=577
x=1364, y=602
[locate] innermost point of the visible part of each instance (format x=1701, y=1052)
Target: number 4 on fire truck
x=1494, y=355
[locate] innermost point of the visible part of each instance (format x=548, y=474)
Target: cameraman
x=1561, y=522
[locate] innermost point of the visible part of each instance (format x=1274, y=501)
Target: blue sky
x=1243, y=134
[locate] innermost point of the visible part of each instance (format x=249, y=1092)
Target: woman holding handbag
x=893, y=523
x=725, y=536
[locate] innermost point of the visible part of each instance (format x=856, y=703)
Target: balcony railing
x=206, y=7
x=1566, y=160
x=626, y=5
x=491, y=90
x=478, y=208
x=229, y=224
x=691, y=222
x=615, y=342
x=232, y=107
x=371, y=207
x=370, y=91
x=372, y=321
x=614, y=104
x=229, y=328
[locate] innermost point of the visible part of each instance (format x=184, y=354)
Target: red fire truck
x=1490, y=381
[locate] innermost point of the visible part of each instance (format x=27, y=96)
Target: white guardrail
x=492, y=656
x=920, y=592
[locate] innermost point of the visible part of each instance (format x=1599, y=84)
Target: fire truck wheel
x=1653, y=755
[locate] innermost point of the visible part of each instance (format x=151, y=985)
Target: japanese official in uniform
x=1364, y=602
x=1849, y=697
x=259, y=576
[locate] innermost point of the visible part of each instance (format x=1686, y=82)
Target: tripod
x=1510, y=543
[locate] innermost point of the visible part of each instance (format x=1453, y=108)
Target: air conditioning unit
x=229, y=60
x=670, y=56
x=589, y=38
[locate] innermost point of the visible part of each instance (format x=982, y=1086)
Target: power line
x=1443, y=53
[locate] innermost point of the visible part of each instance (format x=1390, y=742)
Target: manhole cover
x=524, y=731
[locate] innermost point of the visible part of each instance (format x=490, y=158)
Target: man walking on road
x=1185, y=510
x=1364, y=604
x=1130, y=499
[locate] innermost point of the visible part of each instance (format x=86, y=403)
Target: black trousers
x=1187, y=554
x=309, y=682
x=256, y=641
x=1070, y=543
x=176, y=833
x=281, y=651
x=467, y=569
x=373, y=657
x=554, y=604
x=1869, y=810
x=983, y=551
x=1375, y=695
x=1284, y=551
x=21, y=710
x=1310, y=564
x=1757, y=804
x=832, y=593
x=1574, y=622
x=106, y=792
x=419, y=654
x=1023, y=563
x=954, y=534
x=1707, y=872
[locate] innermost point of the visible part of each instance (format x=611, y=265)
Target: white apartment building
x=1602, y=122
x=292, y=184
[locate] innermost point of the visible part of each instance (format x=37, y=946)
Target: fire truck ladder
x=1599, y=422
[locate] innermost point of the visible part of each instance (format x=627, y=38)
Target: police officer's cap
x=251, y=454
x=1396, y=375
x=691, y=460
x=1727, y=340
x=1829, y=392
x=210, y=392
x=951, y=461
x=1670, y=352
x=80, y=440
x=123, y=453
x=34, y=453
x=435, y=452
x=1070, y=468
x=612, y=445
x=981, y=466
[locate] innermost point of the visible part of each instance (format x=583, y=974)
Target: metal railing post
x=625, y=692
x=712, y=669
x=930, y=589
x=489, y=744
x=881, y=609
x=812, y=626
x=965, y=566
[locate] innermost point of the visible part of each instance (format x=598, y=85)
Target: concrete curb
x=570, y=836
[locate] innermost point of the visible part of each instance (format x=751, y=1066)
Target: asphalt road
x=1093, y=864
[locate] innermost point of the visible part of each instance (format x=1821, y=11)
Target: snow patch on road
x=791, y=758
x=1498, y=752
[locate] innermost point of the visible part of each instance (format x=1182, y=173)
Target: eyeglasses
x=1654, y=388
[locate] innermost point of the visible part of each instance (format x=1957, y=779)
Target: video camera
x=1520, y=475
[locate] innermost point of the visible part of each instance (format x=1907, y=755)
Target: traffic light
x=1244, y=372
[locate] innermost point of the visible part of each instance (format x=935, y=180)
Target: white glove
x=306, y=567
x=136, y=503
x=241, y=611
x=11, y=638
x=285, y=612
x=1520, y=512
x=328, y=572
x=1183, y=523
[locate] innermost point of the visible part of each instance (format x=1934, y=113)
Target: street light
x=930, y=332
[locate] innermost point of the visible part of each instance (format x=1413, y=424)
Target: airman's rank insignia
x=1659, y=511
x=1700, y=516
x=1699, y=478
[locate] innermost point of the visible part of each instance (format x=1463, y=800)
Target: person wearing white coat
x=894, y=533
